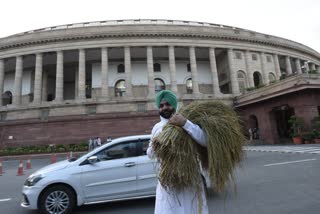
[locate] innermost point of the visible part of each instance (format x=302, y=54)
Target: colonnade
x=40, y=82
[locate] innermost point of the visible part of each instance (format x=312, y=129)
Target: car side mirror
x=93, y=159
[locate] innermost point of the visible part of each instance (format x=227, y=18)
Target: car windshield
x=76, y=157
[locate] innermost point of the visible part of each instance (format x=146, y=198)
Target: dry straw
x=182, y=159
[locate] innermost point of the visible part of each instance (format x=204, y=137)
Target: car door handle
x=130, y=164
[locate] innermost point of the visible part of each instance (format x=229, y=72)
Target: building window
x=91, y=109
x=241, y=75
x=254, y=57
x=242, y=81
x=3, y=116
x=120, y=88
x=156, y=67
x=236, y=31
x=121, y=68
x=269, y=59
x=238, y=55
x=50, y=97
x=189, y=86
x=272, y=78
x=44, y=114
x=7, y=98
x=188, y=67
x=159, y=85
x=257, y=79
x=141, y=107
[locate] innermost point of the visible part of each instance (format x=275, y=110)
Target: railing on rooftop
x=154, y=22
x=129, y=22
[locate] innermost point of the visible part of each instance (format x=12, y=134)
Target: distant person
x=90, y=144
x=109, y=139
x=95, y=143
x=250, y=134
x=98, y=141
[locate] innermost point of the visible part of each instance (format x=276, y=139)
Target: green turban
x=169, y=96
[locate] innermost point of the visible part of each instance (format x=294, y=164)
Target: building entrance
x=282, y=114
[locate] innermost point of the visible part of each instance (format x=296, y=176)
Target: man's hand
x=178, y=120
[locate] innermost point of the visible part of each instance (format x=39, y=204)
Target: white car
x=118, y=170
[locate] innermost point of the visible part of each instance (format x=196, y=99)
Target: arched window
x=159, y=85
x=257, y=78
x=272, y=77
x=120, y=68
x=189, y=86
x=242, y=80
x=7, y=98
x=156, y=67
x=188, y=67
x=120, y=88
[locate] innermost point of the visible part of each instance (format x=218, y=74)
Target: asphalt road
x=267, y=182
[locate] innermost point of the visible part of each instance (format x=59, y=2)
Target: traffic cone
x=53, y=158
x=1, y=167
x=28, y=166
x=20, y=168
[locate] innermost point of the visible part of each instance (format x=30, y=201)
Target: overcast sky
x=297, y=20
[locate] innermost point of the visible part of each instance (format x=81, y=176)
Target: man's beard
x=166, y=114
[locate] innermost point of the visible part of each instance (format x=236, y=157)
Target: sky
x=297, y=20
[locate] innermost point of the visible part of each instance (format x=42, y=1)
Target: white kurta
x=185, y=202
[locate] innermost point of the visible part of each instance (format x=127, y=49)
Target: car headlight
x=32, y=180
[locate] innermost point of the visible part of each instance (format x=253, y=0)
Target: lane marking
x=288, y=162
x=5, y=199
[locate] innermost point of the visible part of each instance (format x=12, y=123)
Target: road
x=275, y=182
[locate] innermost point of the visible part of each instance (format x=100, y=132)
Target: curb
x=38, y=156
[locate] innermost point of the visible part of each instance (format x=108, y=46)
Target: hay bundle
x=179, y=154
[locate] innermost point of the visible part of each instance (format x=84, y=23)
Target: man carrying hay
x=171, y=199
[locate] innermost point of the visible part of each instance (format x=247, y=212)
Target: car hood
x=53, y=167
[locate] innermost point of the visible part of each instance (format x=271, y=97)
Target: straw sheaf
x=180, y=156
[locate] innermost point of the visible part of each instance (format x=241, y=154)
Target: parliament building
x=65, y=84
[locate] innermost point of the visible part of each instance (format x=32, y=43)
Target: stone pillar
x=18, y=81
x=172, y=69
x=263, y=68
x=82, y=75
x=318, y=69
x=288, y=66
x=38, y=80
x=233, y=74
x=127, y=67
x=313, y=66
x=277, y=66
x=104, y=73
x=298, y=66
x=59, y=77
x=214, y=73
x=1, y=79
x=44, y=92
x=76, y=83
x=249, y=69
x=194, y=72
x=151, y=86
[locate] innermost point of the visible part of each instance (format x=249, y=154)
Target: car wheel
x=58, y=199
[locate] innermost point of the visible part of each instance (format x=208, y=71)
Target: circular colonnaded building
x=65, y=84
